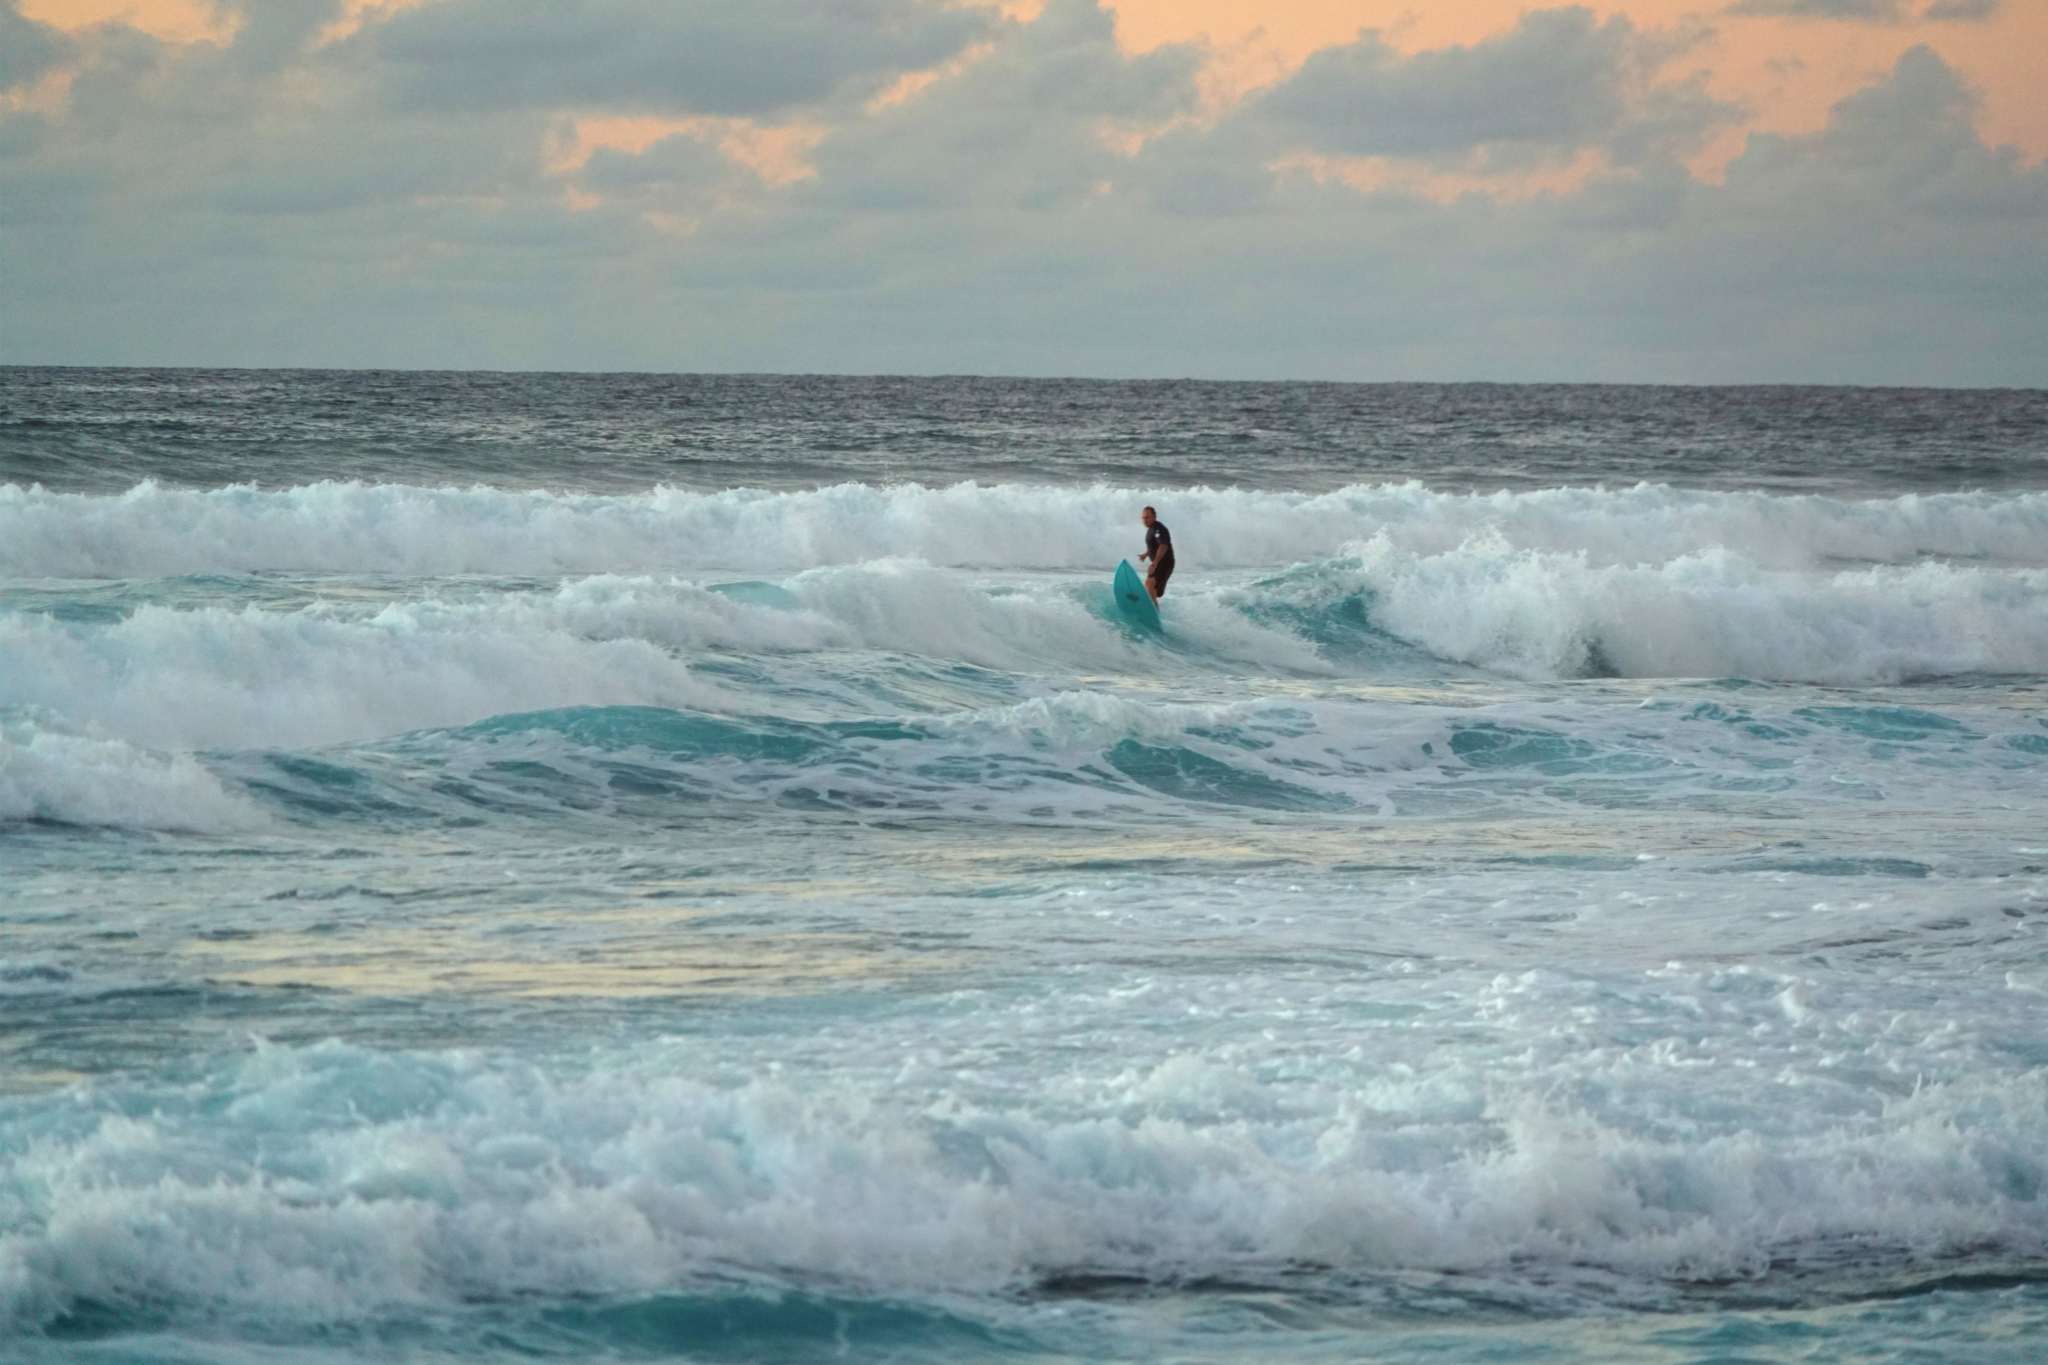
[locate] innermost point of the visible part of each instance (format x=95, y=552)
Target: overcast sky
x=1765, y=190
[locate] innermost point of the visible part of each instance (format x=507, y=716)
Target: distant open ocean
x=535, y=867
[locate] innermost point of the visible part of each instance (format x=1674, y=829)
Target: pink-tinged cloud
x=1641, y=190
x=173, y=21
x=1784, y=62
x=774, y=154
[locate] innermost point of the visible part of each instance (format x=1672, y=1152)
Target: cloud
x=1900, y=153
x=696, y=56
x=679, y=159
x=995, y=250
x=1960, y=11
x=1037, y=124
x=1893, y=243
x=1861, y=11
x=1556, y=83
x=1041, y=200
x=27, y=48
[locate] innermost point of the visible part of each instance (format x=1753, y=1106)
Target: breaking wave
x=224, y=677
x=331, y=1184
x=394, y=529
x=1709, y=614
x=79, y=780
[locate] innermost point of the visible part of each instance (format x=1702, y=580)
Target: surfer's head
x=1148, y=516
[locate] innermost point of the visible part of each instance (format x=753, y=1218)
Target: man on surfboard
x=1158, y=549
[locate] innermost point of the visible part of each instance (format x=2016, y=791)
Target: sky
x=1740, y=191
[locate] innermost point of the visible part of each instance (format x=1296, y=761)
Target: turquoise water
x=523, y=915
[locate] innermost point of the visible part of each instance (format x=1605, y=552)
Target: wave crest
x=399, y=529
x=1712, y=614
x=331, y=1184
x=77, y=780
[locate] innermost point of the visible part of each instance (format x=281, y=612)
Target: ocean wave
x=331, y=1184
x=325, y=673
x=1712, y=614
x=846, y=640
x=80, y=780
x=395, y=529
x=1061, y=757
x=216, y=678
x=1088, y=756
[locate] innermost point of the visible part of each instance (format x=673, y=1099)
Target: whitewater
x=641, y=867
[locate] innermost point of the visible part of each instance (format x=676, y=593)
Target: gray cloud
x=674, y=161
x=1559, y=81
x=1893, y=244
x=1901, y=151
x=700, y=56
x=1960, y=11
x=1864, y=11
x=1021, y=128
x=196, y=206
x=27, y=48
x=276, y=33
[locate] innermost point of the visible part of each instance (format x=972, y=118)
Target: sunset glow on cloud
x=1784, y=67
x=1352, y=188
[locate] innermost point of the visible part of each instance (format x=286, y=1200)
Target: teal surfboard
x=1132, y=597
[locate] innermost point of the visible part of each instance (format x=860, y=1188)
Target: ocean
x=551, y=867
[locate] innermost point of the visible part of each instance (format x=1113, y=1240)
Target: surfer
x=1158, y=549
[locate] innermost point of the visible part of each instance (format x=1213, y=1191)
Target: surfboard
x=1132, y=597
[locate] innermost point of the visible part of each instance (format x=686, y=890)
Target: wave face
x=474, y=907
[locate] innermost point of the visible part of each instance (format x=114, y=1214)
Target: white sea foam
x=325, y=673
x=79, y=780
x=389, y=529
x=215, y=678
x=1642, y=582
x=1713, y=613
x=331, y=1184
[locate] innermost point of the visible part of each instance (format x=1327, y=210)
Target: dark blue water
x=96, y=430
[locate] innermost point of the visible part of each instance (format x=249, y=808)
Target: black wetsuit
x=1159, y=544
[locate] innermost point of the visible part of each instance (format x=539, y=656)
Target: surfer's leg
x=1155, y=582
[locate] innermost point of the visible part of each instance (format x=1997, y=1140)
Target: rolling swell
x=1072, y=757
